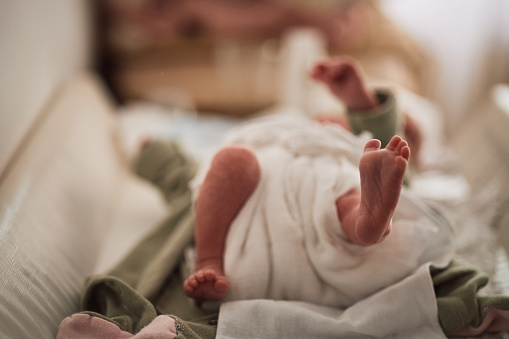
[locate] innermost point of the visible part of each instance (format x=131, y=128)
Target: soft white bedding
x=287, y=235
x=313, y=272
x=470, y=208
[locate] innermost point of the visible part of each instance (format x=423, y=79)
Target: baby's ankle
x=365, y=100
x=215, y=264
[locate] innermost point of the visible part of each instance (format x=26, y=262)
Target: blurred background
x=226, y=53
x=230, y=56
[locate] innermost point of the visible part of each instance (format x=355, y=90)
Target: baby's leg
x=344, y=78
x=366, y=215
x=232, y=178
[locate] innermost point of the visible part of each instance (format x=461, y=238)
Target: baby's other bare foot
x=382, y=172
x=344, y=78
x=207, y=285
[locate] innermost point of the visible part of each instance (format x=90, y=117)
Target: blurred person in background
x=355, y=27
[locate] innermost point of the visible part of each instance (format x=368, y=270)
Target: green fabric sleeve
x=166, y=166
x=459, y=305
x=382, y=121
x=146, y=267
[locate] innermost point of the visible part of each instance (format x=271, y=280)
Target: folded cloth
x=423, y=305
x=404, y=310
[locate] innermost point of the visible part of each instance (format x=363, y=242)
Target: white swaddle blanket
x=287, y=244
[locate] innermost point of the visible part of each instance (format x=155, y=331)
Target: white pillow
x=56, y=197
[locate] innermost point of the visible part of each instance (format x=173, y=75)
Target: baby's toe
x=405, y=152
x=200, y=276
x=372, y=145
x=187, y=287
x=209, y=275
x=393, y=144
x=221, y=285
x=399, y=147
x=193, y=282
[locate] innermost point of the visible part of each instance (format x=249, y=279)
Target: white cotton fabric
x=286, y=242
x=404, y=310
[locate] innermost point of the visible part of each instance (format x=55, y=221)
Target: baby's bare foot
x=382, y=172
x=207, y=285
x=343, y=76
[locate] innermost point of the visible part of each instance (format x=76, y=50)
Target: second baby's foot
x=382, y=172
x=344, y=78
x=207, y=284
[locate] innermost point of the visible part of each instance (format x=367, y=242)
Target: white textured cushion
x=55, y=202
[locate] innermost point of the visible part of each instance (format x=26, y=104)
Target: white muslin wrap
x=286, y=243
